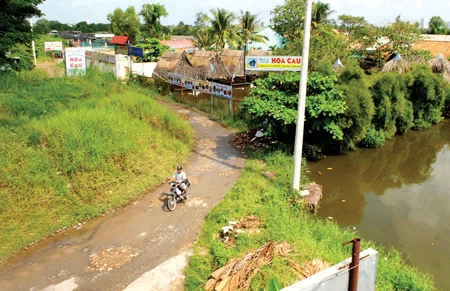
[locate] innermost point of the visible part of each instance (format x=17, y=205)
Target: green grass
x=285, y=220
x=74, y=148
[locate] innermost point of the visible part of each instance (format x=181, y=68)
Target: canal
x=397, y=195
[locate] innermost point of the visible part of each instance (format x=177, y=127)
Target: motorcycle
x=176, y=194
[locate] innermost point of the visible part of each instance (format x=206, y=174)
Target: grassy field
x=74, y=148
x=283, y=218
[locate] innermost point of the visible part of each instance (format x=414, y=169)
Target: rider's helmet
x=179, y=168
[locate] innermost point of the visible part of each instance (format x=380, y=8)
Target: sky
x=378, y=12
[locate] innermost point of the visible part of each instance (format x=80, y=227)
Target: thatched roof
x=397, y=64
x=210, y=66
x=234, y=61
x=253, y=52
x=337, y=65
x=439, y=64
x=176, y=63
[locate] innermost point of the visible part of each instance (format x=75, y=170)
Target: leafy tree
x=288, y=19
x=182, y=29
x=42, y=26
x=221, y=23
x=320, y=14
x=427, y=95
x=205, y=39
x=152, y=14
x=357, y=30
x=152, y=49
x=437, y=25
x=125, y=23
x=248, y=24
x=200, y=20
x=14, y=26
x=274, y=106
x=360, y=106
x=402, y=35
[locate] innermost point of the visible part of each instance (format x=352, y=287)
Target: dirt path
x=141, y=246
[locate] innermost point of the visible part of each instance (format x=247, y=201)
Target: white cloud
x=366, y=3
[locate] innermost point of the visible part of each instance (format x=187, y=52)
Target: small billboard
x=273, y=63
x=53, y=46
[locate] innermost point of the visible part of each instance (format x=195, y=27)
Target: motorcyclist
x=179, y=176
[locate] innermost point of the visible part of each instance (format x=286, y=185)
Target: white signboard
x=273, y=63
x=75, y=62
x=53, y=46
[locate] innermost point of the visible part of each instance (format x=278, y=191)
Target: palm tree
x=320, y=14
x=205, y=39
x=249, y=23
x=221, y=22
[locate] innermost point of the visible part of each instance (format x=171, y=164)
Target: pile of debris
x=312, y=193
x=237, y=274
x=111, y=258
x=250, y=225
x=253, y=138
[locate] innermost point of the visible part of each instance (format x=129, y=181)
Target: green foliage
x=153, y=50
x=152, y=14
x=221, y=22
x=77, y=147
x=274, y=285
x=394, y=112
x=437, y=25
x=360, y=106
x=125, y=23
x=427, y=96
x=288, y=19
x=14, y=26
x=401, y=35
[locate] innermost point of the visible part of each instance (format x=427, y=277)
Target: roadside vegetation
x=74, y=148
x=284, y=218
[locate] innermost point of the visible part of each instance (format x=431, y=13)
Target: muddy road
x=142, y=246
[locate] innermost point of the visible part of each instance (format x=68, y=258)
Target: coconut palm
x=221, y=23
x=205, y=39
x=248, y=24
x=320, y=14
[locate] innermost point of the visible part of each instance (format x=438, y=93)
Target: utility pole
x=32, y=42
x=302, y=100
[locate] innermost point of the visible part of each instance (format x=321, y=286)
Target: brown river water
x=397, y=195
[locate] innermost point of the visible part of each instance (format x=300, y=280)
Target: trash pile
x=237, y=274
x=250, y=225
x=253, y=138
x=111, y=258
x=312, y=194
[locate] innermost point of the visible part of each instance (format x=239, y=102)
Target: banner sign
x=75, y=62
x=202, y=86
x=273, y=63
x=102, y=57
x=175, y=79
x=53, y=46
x=188, y=83
x=135, y=51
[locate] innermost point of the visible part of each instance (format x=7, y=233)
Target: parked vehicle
x=176, y=195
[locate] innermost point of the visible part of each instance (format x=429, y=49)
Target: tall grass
x=73, y=148
x=284, y=220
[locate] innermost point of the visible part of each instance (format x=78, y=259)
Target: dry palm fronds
x=176, y=63
x=210, y=66
x=309, y=268
x=396, y=64
x=237, y=274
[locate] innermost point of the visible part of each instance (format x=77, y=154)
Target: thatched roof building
x=234, y=61
x=210, y=66
x=176, y=63
x=397, y=64
x=440, y=65
x=253, y=52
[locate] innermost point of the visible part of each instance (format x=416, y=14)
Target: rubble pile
x=111, y=258
x=253, y=138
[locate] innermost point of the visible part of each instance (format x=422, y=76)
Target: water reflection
x=398, y=195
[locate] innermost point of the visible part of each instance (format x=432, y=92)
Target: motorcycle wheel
x=171, y=203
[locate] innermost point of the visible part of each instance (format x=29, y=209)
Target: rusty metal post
x=354, y=265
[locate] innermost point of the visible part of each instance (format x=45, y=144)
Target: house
x=435, y=44
x=274, y=39
x=176, y=63
x=121, y=40
x=209, y=66
x=180, y=44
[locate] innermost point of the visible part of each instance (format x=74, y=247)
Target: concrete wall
x=336, y=278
